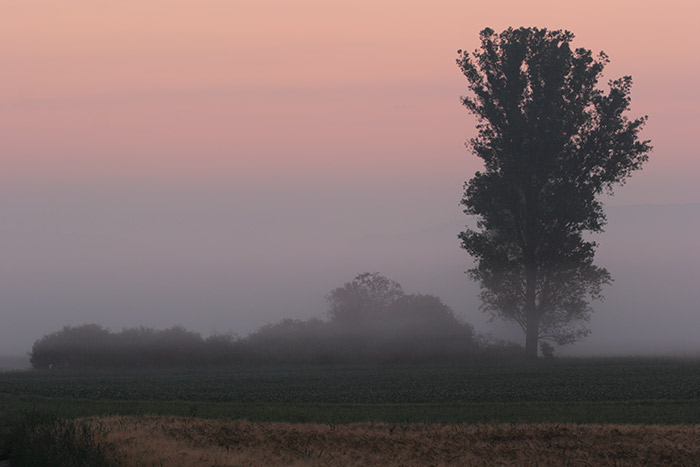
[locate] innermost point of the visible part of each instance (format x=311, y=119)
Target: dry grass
x=176, y=441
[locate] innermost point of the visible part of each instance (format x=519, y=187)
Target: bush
x=371, y=320
x=92, y=346
x=42, y=439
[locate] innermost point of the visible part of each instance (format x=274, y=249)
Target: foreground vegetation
x=560, y=391
x=183, y=441
x=40, y=438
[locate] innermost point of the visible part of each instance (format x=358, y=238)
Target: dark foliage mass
x=551, y=142
x=43, y=439
x=93, y=346
x=371, y=319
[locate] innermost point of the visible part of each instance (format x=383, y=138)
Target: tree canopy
x=551, y=142
x=372, y=320
x=363, y=298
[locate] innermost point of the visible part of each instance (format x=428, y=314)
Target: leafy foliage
x=372, y=321
x=93, y=346
x=362, y=299
x=551, y=143
x=41, y=439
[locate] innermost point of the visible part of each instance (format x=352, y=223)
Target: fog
x=224, y=165
x=230, y=258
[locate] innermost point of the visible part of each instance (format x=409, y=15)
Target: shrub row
x=289, y=341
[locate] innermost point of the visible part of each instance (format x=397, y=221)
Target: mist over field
x=217, y=261
x=225, y=165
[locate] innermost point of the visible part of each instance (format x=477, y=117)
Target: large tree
x=551, y=142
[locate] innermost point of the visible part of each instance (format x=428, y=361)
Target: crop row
x=380, y=385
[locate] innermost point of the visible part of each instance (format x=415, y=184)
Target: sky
x=225, y=164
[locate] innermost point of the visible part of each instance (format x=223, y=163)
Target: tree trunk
x=532, y=337
x=532, y=319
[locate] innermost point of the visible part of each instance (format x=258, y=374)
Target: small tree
x=372, y=319
x=361, y=300
x=551, y=143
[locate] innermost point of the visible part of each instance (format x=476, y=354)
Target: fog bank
x=227, y=260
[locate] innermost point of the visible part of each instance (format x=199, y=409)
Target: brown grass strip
x=175, y=441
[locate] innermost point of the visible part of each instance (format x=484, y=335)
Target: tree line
x=369, y=320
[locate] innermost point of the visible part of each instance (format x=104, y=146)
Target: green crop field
x=566, y=380
x=567, y=390
x=564, y=391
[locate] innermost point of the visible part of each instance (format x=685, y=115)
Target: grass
x=578, y=391
x=566, y=380
x=185, y=441
x=569, y=390
x=628, y=412
x=39, y=438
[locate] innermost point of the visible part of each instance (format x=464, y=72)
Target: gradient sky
x=224, y=164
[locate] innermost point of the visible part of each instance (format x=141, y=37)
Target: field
x=183, y=441
x=562, y=392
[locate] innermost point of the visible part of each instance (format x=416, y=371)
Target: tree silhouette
x=362, y=299
x=551, y=143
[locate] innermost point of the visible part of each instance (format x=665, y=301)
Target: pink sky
x=172, y=89
x=164, y=156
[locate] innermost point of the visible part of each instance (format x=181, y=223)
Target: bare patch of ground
x=176, y=441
